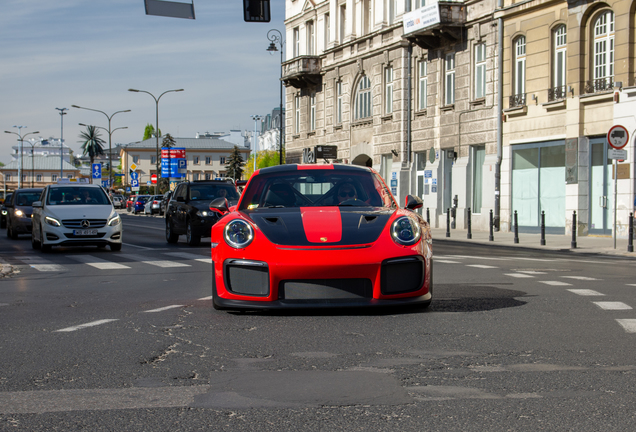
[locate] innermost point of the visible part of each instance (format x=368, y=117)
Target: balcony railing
x=517, y=100
x=556, y=93
x=433, y=30
x=599, y=85
x=302, y=72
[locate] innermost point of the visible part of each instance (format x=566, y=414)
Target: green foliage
x=264, y=159
x=235, y=164
x=149, y=132
x=92, y=144
x=168, y=141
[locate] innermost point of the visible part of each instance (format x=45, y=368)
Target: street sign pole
x=615, y=196
x=617, y=138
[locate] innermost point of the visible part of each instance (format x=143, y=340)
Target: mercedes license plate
x=84, y=232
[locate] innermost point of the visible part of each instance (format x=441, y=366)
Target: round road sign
x=153, y=179
x=617, y=137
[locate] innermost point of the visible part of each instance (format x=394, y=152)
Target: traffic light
x=256, y=10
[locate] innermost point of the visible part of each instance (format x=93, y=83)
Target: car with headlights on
x=4, y=211
x=75, y=214
x=19, y=210
x=188, y=210
x=314, y=236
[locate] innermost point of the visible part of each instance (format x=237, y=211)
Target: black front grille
x=325, y=289
x=247, y=277
x=73, y=236
x=77, y=223
x=402, y=275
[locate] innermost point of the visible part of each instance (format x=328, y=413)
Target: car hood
x=311, y=226
x=80, y=211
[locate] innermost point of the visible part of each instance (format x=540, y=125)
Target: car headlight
x=202, y=213
x=19, y=213
x=405, y=231
x=4, y=212
x=238, y=234
x=114, y=221
x=53, y=222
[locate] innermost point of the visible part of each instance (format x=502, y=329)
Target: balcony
x=556, y=93
x=599, y=85
x=302, y=72
x=436, y=25
x=518, y=100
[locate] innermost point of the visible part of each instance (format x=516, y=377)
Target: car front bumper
x=62, y=236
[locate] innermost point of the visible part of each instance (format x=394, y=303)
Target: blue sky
x=89, y=53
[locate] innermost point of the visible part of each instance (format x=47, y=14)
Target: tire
x=115, y=247
x=171, y=236
x=191, y=239
x=11, y=233
x=44, y=247
x=35, y=244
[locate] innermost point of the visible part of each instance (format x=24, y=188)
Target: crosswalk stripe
x=48, y=267
x=518, y=275
x=586, y=292
x=98, y=263
x=555, y=283
x=446, y=261
x=191, y=256
x=90, y=324
x=157, y=263
x=481, y=266
x=584, y=278
x=628, y=324
x=613, y=305
x=532, y=272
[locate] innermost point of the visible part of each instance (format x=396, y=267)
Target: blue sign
x=393, y=183
x=106, y=183
x=134, y=175
x=175, y=165
x=428, y=174
x=182, y=163
x=393, y=175
x=134, y=183
x=97, y=171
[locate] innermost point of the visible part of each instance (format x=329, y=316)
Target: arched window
x=363, y=99
x=604, y=52
x=518, y=97
x=559, y=56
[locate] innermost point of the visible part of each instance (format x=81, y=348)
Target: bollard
x=516, y=228
x=542, y=228
x=470, y=226
x=573, y=244
x=491, y=237
x=630, y=241
x=447, y=222
x=428, y=215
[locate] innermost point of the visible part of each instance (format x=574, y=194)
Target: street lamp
x=32, y=143
x=275, y=37
x=256, y=118
x=110, y=150
x=19, y=133
x=62, y=114
x=110, y=161
x=157, y=130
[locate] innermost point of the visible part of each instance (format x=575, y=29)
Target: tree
x=235, y=164
x=164, y=183
x=149, y=132
x=264, y=159
x=92, y=144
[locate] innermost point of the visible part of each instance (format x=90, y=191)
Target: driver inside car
x=346, y=192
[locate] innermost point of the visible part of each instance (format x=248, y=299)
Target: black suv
x=188, y=211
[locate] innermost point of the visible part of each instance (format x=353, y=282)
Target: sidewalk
x=584, y=244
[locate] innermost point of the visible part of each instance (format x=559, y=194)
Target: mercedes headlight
x=114, y=221
x=238, y=234
x=53, y=222
x=19, y=213
x=405, y=231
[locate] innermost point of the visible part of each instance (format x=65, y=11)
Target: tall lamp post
x=110, y=133
x=275, y=37
x=157, y=130
x=110, y=161
x=32, y=143
x=19, y=133
x=62, y=114
x=256, y=118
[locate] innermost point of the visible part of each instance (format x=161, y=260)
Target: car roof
x=296, y=167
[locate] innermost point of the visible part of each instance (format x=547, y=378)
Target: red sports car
x=312, y=236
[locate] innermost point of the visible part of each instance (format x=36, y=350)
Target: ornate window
x=518, y=97
x=364, y=107
x=558, y=68
x=603, y=78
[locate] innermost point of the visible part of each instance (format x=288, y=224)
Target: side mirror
x=220, y=205
x=413, y=202
x=180, y=199
x=37, y=204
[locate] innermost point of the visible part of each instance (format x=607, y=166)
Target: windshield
x=213, y=191
x=26, y=198
x=313, y=188
x=77, y=195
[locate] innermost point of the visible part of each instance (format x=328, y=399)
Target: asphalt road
x=514, y=340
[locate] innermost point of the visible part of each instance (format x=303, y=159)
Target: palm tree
x=92, y=144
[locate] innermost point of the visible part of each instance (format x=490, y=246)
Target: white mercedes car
x=75, y=214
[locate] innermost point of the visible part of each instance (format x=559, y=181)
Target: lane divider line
x=163, y=308
x=82, y=326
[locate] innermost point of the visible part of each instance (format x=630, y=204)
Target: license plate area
x=85, y=232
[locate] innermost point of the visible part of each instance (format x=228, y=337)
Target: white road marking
x=205, y=298
x=628, y=324
x=555, y=283
x=489, y=258
x=481, y=266
x=631, y=284
x=98, y=263
x=613, y=305
x=140, y=247
x=586, y=292
x=40, y=264
x=163, y=308
x=90, y=324
x=48, y=267
x=157, y=263
x=532, y=272
x=534, y=259
x=446, y=261
x=585, y=278
x=7, y=304
x=518, y=275
x=191, y=256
